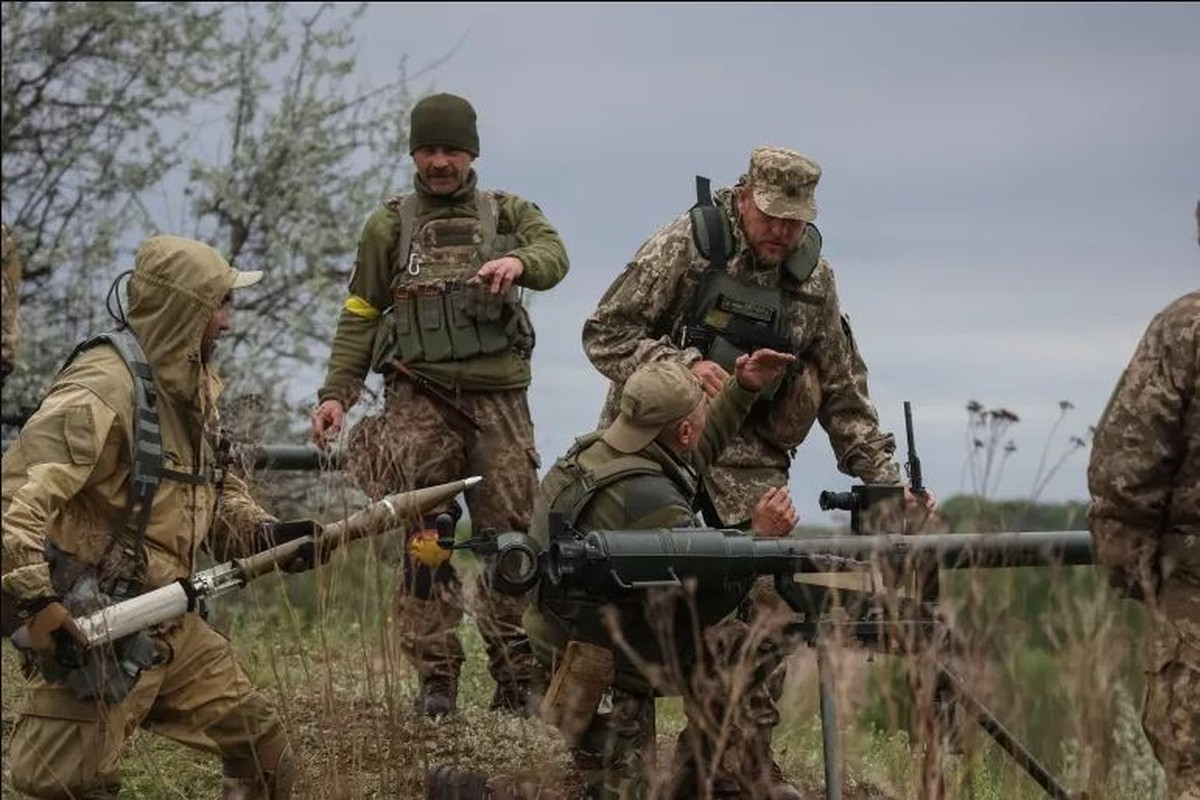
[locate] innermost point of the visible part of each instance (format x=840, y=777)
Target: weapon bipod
x=902, y=633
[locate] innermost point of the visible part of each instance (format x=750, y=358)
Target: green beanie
x=444, y=119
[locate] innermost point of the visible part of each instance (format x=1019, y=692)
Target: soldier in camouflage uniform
x=436, y=304
x=1144, y=478
x=643, y=471
x=685, y=299
x=11, y=282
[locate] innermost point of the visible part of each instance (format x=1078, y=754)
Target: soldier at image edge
x=10, y=328
x=1144, y=480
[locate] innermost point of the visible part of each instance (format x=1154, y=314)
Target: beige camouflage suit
x=10, y=284
x=65, y=482
x=636, y=322
x=1144, y=478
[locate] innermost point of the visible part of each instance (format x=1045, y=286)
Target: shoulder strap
x=406, y=207
x=708, y=227
x=488, y=206
x=800, y=264
x=575, y=496
x=146, y=456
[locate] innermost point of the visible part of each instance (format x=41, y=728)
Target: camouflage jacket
x=632, y=325
x=10, y=283
x=1144, y=472
x=636, y=502
x=540, y=250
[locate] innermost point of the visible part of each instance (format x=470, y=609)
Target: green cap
x=656, y=395
x=443, y=119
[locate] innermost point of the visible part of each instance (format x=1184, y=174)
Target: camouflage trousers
x=415, y=442
x=1171, y=716
x=67, y=748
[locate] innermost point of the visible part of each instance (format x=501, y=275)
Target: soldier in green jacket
x=436, y=304
x=643, y=471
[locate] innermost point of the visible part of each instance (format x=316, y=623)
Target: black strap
x=708, y=228
x=146, y=455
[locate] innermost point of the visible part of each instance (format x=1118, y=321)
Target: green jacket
x=540, y=250
x=639, y=501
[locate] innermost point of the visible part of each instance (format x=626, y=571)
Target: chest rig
x=727, y=316
x=435, y=314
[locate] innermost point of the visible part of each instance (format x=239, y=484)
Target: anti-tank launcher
x=897, y=610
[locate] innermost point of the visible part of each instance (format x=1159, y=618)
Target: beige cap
x=656, y=395
x=244, y=278
x=784, y=183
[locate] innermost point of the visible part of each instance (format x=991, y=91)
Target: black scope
x=839, y=501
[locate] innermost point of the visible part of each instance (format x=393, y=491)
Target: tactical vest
x=726, y=316
x=571, y=486
x=435, y=314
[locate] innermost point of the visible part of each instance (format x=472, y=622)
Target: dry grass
x=1062, y=675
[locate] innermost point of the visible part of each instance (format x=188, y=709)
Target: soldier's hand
x=755, y=371
x=712, y=376
x=327, y=422
x=774, y=514
x=927, y=499
x=275, y=533
x=499, y=274
x=44, y=623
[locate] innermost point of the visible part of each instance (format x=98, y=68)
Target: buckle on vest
x=431, y=289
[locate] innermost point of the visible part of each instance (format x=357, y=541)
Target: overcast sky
x=1007, y=195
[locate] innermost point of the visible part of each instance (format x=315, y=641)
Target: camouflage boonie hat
x=784, y=183
x=656, y=395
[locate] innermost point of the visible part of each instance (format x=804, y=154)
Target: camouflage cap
x=656, y=395
x=784, y=183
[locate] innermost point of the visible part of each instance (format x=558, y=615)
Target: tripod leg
x=1017, y=751
x=829, y=724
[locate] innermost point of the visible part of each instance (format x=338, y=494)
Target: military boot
x=437, y=696
x=520, y=698
x=446, y=782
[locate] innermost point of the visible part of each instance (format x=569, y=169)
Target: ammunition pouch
x=106, y=673
x=450, y=321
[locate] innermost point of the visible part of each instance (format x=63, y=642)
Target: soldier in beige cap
x=742, y=270
x=643, y=471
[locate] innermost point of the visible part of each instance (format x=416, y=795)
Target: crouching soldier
x=110, y=490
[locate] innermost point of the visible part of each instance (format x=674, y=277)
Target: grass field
x=322, y=649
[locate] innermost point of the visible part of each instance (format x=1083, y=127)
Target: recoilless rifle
x=713, y=562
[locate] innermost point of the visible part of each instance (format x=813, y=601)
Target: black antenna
x=913, y=465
